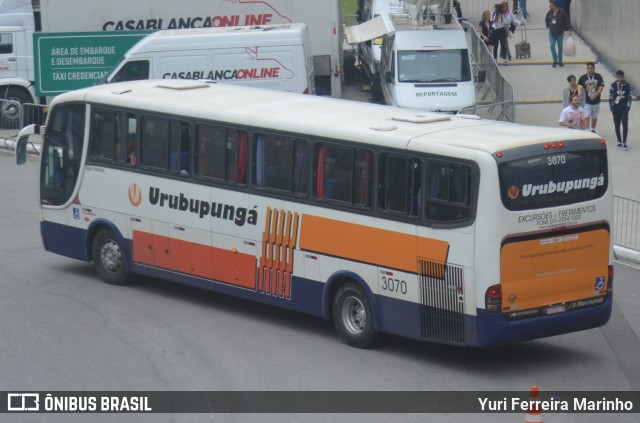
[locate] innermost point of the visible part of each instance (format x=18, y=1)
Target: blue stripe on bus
x=404, y=318
x=64, y=240
x=494, y=330
x=306, y=295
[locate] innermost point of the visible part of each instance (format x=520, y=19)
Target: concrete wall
x=612, y=28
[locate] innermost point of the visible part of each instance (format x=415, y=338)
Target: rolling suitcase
x=523, y=48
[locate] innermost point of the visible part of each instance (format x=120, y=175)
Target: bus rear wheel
x=353, y=317
x=108, y=258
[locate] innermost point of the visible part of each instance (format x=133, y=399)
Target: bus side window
x=103, y=134
x=155, y=133
x=448, y=194
x=180, y=147
x=211, y=144
x=223, y=153
x=129, y=133
x=282, y=163
x=400, y=184
x=236, y=152
x=344, y=174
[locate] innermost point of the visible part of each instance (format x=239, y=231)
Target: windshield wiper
x=443, y=80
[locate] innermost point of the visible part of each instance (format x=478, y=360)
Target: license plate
x=553, y=309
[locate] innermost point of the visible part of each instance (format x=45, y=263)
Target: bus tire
x=353, y=316
x=108, y=258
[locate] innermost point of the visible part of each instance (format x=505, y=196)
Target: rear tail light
x=493, y=299
x=610, y=286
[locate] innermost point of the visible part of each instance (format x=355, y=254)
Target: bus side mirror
x=23, y=141
x=482, y=76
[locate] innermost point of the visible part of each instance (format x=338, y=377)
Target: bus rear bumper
x=494, y=330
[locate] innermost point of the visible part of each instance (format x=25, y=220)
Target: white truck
x=17, y=26
x=266, y=56
x=418, y=57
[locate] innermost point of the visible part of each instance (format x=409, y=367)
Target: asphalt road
x=63, y=329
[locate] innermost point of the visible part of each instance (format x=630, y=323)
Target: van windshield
x=433, y=66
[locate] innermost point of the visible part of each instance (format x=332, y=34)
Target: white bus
x=440, y=228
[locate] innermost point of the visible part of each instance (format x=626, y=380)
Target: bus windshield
x=553, y=179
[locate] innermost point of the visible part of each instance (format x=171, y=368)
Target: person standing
x=557, y=21
x=573, y=89
x=572, y=115
x=512, y=23
x=500, y=27
x=486, y=31
x=523, y=9
x=593, y=84
x=620, y=103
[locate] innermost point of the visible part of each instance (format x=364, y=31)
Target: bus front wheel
x=108, y=258
x=353, y=317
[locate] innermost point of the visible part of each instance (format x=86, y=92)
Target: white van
x=424, y=60
x=428, y=68
x=275, y=57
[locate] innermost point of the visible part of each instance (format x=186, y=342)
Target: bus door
x=61, y=157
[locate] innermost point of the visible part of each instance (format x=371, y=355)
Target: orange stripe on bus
x=191, y=258
x=368, y=244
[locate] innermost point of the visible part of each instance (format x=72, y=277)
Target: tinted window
x=344, y=174
x=400, y=183
x=113, y=136
x=222, y=153
x=155, y=141
x=448, y=191
x=553, y=179
x=282, y=163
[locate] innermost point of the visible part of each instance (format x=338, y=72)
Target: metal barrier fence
x=626, y=228
x=495, y=94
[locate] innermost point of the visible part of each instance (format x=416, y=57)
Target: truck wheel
x=11, y=108
x=353, y=317
x=108, y=258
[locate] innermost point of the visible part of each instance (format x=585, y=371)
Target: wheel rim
x=111, y=256
x=354, y=315
x=11, y=109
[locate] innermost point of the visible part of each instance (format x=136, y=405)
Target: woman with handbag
x=486, y=31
